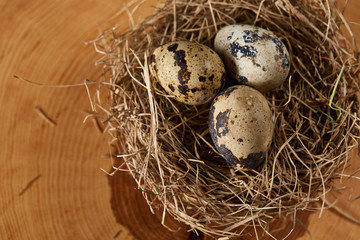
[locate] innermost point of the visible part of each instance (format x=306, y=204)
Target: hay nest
x=166, y=145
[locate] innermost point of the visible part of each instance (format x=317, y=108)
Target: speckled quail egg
x=191, y=72
x=253, y=56
x=241, y=126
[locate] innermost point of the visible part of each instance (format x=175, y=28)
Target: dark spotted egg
x=191, y=72
x=253, y=56
x=241, y=126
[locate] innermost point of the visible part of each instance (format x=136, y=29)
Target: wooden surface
x=70, y=197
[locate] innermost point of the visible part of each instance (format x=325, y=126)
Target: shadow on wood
x=131, y=210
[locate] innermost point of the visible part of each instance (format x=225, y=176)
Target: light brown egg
x=191, y=72
x=241, y=126
x=253, y=56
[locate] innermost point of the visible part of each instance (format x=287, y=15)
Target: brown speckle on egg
x=171, y=87
x=202, y=79
x=183, y=89
x=242, y=79
x=172, y=47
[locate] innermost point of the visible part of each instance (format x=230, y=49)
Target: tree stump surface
x=51, y=184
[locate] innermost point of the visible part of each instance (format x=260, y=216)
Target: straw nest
x=166, y=145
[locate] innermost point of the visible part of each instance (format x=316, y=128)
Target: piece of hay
x=167, y=147
x=44, y=116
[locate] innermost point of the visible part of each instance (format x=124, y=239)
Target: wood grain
x=73, y=199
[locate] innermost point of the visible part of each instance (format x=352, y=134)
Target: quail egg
x=253, y=56
x=241, y=126
x=191, y=72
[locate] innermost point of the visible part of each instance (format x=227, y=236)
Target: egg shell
x=191, y=72
x=253, y=56
x=241, y=126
